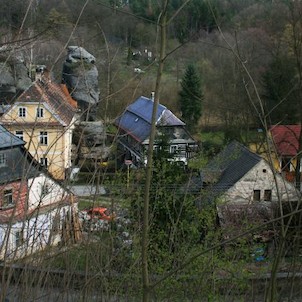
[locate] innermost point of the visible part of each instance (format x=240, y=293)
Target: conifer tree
x=191, y=97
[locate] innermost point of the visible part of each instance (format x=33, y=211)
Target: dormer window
x=2, y=159
x=22, y=112
x=40, y=112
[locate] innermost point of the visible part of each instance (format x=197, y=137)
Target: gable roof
x=51, y=94
x=229, y=166
x=286, y=139
x=18, y=162
x=136, y=119
x=8, y=140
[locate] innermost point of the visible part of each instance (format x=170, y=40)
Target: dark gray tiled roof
x=19, y=165
x=8, y=140
x=229, y=166
x=16, y=162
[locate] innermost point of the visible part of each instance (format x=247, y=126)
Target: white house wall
x=38, y=232
x=261, y=178
x=36, y=197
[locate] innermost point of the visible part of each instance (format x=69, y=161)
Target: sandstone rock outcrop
x=14, y=77
x=81, y=77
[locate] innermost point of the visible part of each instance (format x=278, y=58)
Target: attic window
x=2, y=159
x=40, y=112
x=22, y=112
x=44, y=190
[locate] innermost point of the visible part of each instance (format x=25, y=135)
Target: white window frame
x=19, y=134
x=43, y=139
x=40, y=112
x=44, y=161
x=22, y=111
x=173, y=149
x=7, y=198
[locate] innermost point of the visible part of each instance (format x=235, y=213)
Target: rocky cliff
x=81, y=77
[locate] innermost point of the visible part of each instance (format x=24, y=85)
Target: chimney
x=152, y=96
x=42, y=73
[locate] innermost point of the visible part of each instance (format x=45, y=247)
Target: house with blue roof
x=134, y=126
x=34, y=207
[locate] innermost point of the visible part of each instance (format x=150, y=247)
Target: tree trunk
x=145, y=232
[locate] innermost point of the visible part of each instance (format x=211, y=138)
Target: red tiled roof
x=70, y=100
x=53, y=95
x=286, y=139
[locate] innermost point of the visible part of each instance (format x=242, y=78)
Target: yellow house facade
x=282, y=150
x=44, y=119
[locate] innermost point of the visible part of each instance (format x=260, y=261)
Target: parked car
x=100, y=213
x=96, y=218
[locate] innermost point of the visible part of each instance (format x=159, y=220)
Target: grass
x=216, y=137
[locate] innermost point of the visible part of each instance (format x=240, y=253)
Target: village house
x=245, y=187
x=35, y=210
x=285, y=142
x=134, y=127
x=44, y=117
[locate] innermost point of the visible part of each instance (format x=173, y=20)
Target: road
x=87, y=190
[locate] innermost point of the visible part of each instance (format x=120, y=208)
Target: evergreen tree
x=282, y=99
x=191, y=97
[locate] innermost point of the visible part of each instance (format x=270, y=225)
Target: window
x=173, y=149
x=19, y=134
x=256, y=196
x=43, y=161
x=56, y=223
x=8, y=198
x=156, y=148
x=2, y=159
x=19, y=238
x=22, y=112
x=43, y=138
x=286, y=164
x=267, y=195
x=40, y=112
x=44, y=190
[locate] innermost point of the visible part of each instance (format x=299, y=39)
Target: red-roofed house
x=44, y=117
x=286, y=142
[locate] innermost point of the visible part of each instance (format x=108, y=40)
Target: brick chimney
x=42, y=74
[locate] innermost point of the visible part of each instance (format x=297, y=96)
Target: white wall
x=261, y=178
x=38, y=232
x=55, y=193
